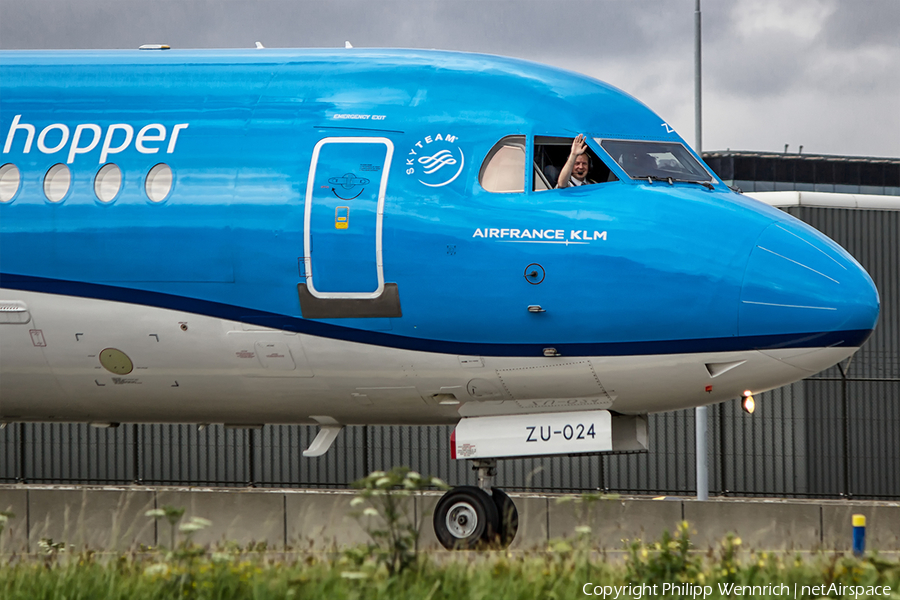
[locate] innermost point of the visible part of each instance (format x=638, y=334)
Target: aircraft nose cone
x=798, y=281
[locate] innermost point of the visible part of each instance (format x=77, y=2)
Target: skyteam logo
x=435, y=160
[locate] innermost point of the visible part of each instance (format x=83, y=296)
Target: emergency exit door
x=343, y=213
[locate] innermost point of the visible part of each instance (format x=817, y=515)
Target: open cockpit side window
x=504, y=168
x=550, y=156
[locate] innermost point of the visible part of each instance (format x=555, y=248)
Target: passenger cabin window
x=504, y=168
x=9, y=182
x=656, y=160
x=550, y=156
x=158, y=183
x=56, y=182
x=107, y=183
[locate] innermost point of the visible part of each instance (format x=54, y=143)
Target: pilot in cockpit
x=574, y=172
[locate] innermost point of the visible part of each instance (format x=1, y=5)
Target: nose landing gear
x=469, y=517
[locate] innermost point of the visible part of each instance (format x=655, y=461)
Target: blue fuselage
x=627, y=267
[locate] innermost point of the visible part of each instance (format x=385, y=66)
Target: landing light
x=748, y=403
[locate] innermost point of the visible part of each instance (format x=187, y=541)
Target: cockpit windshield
x=655, y=160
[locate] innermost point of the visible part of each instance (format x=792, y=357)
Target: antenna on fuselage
x=259, y=46
x=348, y=45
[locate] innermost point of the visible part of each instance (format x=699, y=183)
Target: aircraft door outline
x=342, y=187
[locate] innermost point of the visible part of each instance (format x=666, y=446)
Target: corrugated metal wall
x=834, y=435
x=853, y=436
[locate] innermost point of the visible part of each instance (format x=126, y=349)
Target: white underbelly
x=168, y=366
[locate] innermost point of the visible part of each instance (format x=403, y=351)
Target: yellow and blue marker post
x=859, y=534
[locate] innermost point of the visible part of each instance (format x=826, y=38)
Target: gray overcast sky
x=821, y=73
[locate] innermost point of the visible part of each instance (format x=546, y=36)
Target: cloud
x=782, y=19
x=768, y=65
x=869, y=23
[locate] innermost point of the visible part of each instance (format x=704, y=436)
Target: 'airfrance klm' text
x=531, y=235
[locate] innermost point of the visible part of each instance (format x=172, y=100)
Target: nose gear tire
x=466, y=518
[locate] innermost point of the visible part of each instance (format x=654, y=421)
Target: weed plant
x=390, y=518
x=391, y=568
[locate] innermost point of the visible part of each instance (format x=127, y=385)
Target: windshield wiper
x=708, y=185
x=672, y=181
x=652, y=178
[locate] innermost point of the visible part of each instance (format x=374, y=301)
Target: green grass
x=560, y=571
x=391, y=568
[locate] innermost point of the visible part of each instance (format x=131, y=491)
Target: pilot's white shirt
x=575, y=182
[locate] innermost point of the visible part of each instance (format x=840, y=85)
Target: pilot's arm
x=579, y=147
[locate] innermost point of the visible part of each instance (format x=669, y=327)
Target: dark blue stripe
x=219, y=310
